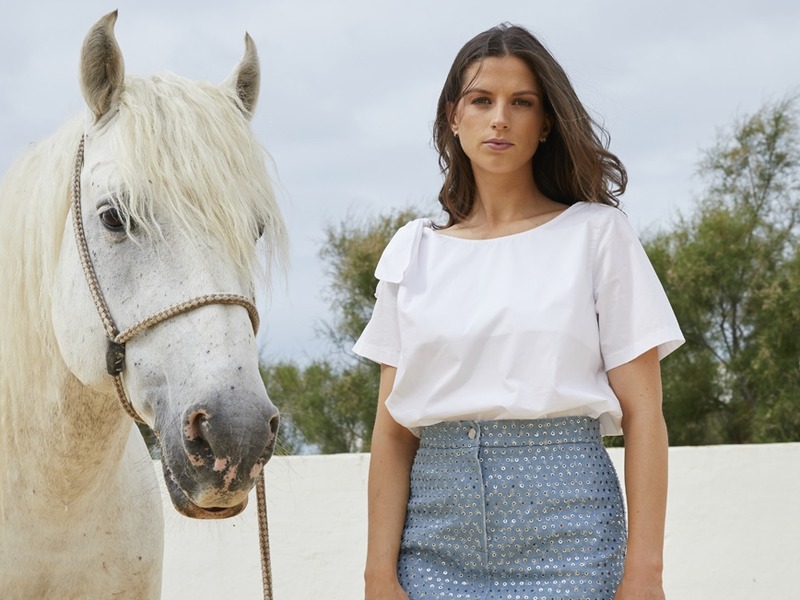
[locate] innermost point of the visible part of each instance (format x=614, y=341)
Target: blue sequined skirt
x=516, y=510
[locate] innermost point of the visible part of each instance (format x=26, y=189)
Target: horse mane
x=185, y=147
x=34, y=202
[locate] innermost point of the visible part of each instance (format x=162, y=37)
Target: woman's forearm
x=646, y=491
x=389, y=469
x=637, y=384
x=392, y=453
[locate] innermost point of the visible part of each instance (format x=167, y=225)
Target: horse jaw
x=77, y=329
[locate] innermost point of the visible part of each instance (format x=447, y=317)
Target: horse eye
x=111, y=219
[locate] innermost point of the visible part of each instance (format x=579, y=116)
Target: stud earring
x=542, y=140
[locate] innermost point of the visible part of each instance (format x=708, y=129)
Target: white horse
x=170, y=195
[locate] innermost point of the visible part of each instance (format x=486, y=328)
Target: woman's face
x=500, y=117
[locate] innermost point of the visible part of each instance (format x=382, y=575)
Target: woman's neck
x=503, y=199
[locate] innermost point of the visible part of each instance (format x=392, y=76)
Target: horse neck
x=95, y=432
x=68, y=436
x=59, y=436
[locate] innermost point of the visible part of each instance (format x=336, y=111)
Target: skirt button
x=472, y=433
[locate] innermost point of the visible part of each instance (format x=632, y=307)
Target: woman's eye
x=480, y=100
x=111, y=219
x=523, y=102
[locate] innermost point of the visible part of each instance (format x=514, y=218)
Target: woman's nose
x=499, y=118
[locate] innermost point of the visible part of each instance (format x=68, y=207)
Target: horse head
x=171, y=194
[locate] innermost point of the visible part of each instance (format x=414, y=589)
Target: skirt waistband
x=517, y=432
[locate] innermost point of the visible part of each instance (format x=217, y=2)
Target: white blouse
x=523, y=326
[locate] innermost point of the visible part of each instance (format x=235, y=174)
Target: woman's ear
x=452, y=117
x=546, y=129
x=548, y=126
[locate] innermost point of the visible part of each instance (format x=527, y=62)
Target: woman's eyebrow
x=519, y=93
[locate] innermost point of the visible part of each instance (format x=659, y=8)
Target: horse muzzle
x=212, y=463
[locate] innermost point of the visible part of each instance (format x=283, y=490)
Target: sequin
x=513, y=510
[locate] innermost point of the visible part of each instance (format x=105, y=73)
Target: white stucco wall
x=733, y=530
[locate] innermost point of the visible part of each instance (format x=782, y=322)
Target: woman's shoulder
x=411, y=227
x=601, y=224
x=401, y=250
x=408, y=235
x=600, y=217
x=597, y=210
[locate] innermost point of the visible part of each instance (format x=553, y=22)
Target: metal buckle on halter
x=115, y=358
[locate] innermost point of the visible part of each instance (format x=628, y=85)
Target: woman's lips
x=498, y=144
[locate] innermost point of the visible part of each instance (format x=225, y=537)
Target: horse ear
x=246, y=77
x=102, y=69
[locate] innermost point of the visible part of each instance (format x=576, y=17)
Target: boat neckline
x=559, y=216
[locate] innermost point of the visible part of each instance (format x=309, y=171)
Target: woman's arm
x=637, y=384
x=392, y=453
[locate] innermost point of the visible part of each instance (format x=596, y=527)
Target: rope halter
x=115, y=353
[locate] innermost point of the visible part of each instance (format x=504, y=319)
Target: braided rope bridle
x=115, y=353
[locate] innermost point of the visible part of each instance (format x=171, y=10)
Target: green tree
x=732, y=272
x=331, y=408
x=329, y=405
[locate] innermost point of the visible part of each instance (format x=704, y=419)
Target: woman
x=511, y=339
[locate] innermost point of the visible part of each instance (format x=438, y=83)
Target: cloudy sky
x=349, y=89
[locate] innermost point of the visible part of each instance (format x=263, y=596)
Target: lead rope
x=263, y=536
x=116, y=354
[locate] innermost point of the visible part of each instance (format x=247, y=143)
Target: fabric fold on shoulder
x=401, y=251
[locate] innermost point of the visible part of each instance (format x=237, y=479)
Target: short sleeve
x=633, y=312
x=380, y=340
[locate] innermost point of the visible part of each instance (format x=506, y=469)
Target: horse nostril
x=196, y=426
x=216, y=452
x=274, y=422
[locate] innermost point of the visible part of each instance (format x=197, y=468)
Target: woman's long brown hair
x=574, y=163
